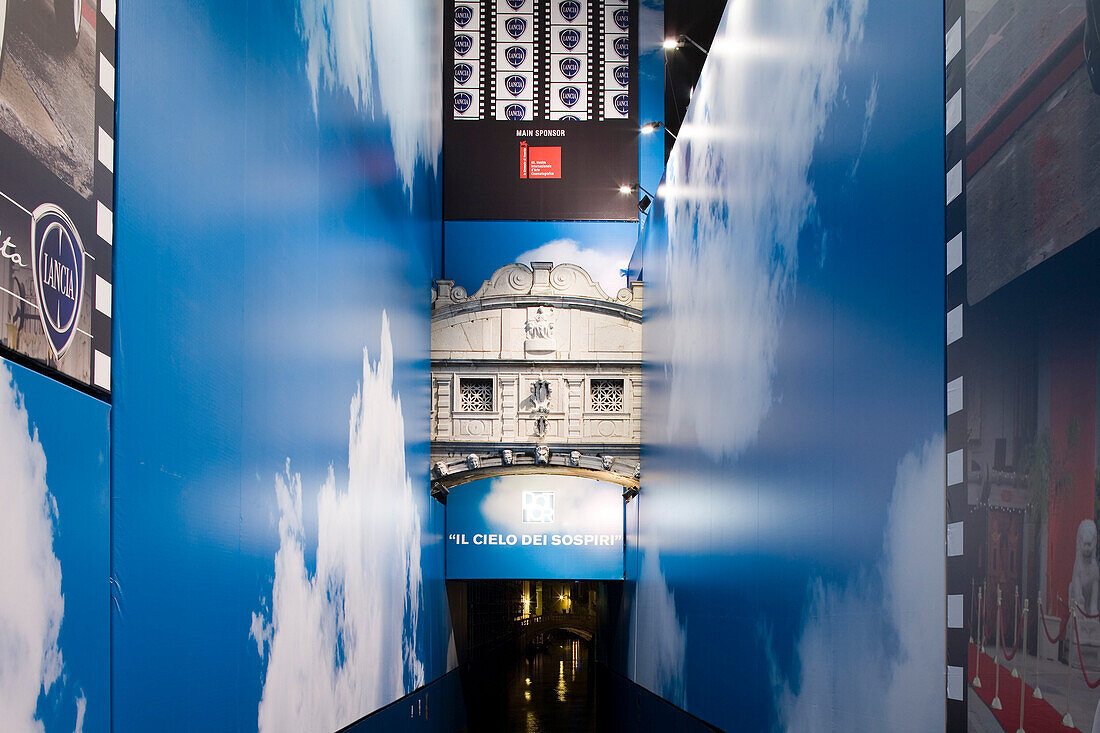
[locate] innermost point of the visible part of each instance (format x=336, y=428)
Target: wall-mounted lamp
x=675, y=44
x=630, y=492
x=645, y=201
x=651, y=127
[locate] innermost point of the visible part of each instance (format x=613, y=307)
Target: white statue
x=1084, y=587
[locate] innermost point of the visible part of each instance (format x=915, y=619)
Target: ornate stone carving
x=542, y=426
x=638, y=471
x=540, y=395
x=473, y=462
x=608, y=462
x=542, y=455
x=540, y=331
x=574, y=458
x=506, y=457
x=440, y=469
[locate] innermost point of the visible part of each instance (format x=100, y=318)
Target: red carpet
x=1038, y=714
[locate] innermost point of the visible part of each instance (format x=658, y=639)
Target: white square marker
x=955, y=324
x=105, y=151
x=955, y=611
x=954, y=539
x=104, y=223
x=101, y=371
x=953, y=42
x=955, y=467
x=106, y=76
x=954, y=683
x=955, y=253
x=954, y=396
x=954, y=182
x=102, y=296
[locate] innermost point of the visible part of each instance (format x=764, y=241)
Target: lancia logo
x=570, y=37
x=463, y=44
x=622, y=103
x=569, y=118
x=569, y=66
x=516, y=4
x=570, y=9
x=463, y=72
x=622, y=75
x=622, y=18
x=463, y=15
x=569, y=95
x=515, y=84
x=57, y=259
x=622, y=46
x=515, y=111
x=463, y=100
x=515, y=27
x=515, y=55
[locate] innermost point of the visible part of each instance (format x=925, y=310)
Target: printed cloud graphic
x=360, y=45
x=736, y=200
x=605, y=266
x=658, y=664
x=872, y=649
x=32, y=607
x=340, y=642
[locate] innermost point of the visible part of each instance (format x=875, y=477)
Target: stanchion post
x=996, y=704
x=1016, y=630
x=977, y=682
x=1036, y=692
x=1023, y=673
x=973, y=602
x=1067, y=719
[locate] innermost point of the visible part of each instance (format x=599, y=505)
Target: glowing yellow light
x=527, y=681
x=649, y=127
x=670, y=43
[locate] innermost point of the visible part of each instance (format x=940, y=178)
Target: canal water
x=550, y=688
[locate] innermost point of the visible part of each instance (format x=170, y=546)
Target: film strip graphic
x=958, y=592
x=99, y=273
x=542, y=60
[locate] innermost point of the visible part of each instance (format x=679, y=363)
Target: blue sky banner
x=535, y=526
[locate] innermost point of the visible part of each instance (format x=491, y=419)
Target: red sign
x=523, y=159
x=545, y=162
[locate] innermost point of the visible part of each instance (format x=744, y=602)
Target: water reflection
x=547, y=690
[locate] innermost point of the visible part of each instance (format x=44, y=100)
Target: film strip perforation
x=957, y=593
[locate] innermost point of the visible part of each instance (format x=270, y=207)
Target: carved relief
x=540, y=331
x=542, y=455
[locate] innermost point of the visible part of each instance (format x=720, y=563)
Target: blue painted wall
x=786, y=565
x=279, y=561
x=54, y=540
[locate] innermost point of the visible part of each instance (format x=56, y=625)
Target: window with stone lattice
x=607, y=395
x=476, y=395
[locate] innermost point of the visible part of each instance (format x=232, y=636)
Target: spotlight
x=651, y=127
x=670, y=44
x=625, y=189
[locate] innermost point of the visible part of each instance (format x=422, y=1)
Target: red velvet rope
x=1086, y=615
x=1061, y=626
x=1080, y=658
x=1015, y=642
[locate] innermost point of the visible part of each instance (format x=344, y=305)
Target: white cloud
x=605, y=266
x=579, y=503
x=736, y=200
x=31, y=606
x=871, y=651
x=340, y=643
x=658, y=639
x=387, y=56
x=81, y=707
x=869, y=108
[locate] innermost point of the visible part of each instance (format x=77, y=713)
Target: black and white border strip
x=488, y=56
x=597, y=39
x=957, y=570
x=101, y=247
